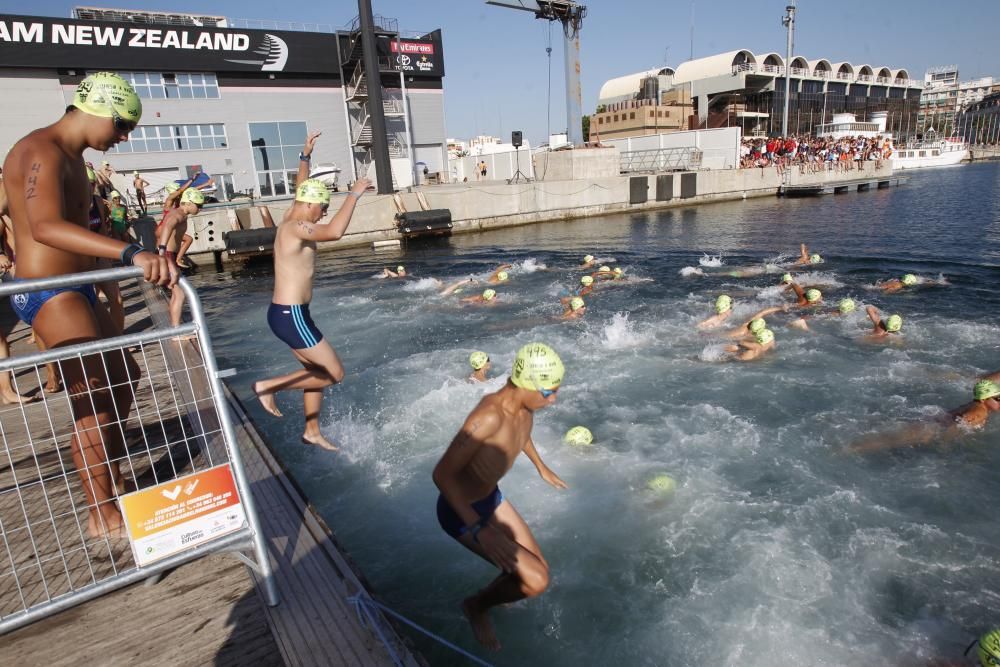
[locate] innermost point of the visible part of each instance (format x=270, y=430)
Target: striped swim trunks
x=293, y=325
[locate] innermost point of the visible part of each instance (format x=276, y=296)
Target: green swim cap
x=815, y=259
x=578, y=435
x=605, y=269
x=576, y=303
x=171, y=188
x=400, y=268
x=986, y=389
x=478, y=359
x=114, y=195
x=661, y=484
x=757, y=325
x=846, y=306
x=764, y=336
x=537, y=366
x=91, y=176
x=618, y=271
x=312, y=191
x=489, y=294
x=894, y=323
x=502, y=276
x=989, y=648
x=813, y=295
x=107, y=95
x=723, y=303
x=908, y=279
x=193, y=196
x=588, y=258
x=135, y=173
x=587, y=280
x=787, y=278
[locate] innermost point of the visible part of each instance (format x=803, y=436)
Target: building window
x=162, y=138
x=160, y=86
x=276, y=148
x=600, y=120
x=631, y=116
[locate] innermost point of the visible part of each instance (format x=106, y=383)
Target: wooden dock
x=206, y=611
x=840, y=187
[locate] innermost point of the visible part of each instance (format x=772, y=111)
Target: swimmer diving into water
x=472, y=510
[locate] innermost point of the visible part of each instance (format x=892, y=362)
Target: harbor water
x=778, y=546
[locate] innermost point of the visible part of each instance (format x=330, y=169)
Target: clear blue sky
x=496, y=64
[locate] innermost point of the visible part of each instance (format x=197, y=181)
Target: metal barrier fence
x=57, y=465
x=661, y=159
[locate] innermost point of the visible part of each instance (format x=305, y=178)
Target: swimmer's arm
x=43, y=208
x=803, y=253
x=334, y=230
x=305, y=165
x=800, y=293
x=759, y=314
x=994, y=377
x=478, y=427
x=543, y=470
x=874, y=316
x=166, y=231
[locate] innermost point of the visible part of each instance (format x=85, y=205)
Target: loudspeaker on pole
x=515, y=138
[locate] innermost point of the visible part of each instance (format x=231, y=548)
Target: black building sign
x=28, y=41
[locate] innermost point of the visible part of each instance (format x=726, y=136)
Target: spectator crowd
x=814, y=154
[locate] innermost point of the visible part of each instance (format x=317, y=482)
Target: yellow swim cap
x=764, y=336
x=135, y=173
x=478, y=359
x=786, y=278
x=757, y=325
x=400, y=268
x=618, y=272
x=576, y=303
x=312, y=191
x=502, y=276
x=193, y=196
x=846, y=306
x=604, y=269
x=813, y=295
x=989, y=648
x=171, y=187
x=107, y=95
x=579, y=435
x=723, y=303
x=489, y=294
x=894, y=323
x=986, y=389
x=588, y=258
x=114, y=195
x=815, y=259
x=537, y=366
x=908, y=279
x=587, y=280
x=91, y=176
x=661, y=484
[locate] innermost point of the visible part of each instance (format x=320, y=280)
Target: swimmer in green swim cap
x=749, y=349
x=883, y=328
x=499, y=275
x=456, y=287
x=747, y=328
x=574, y=309
x=805, y=258
x=488, y=297
x=723, y=309
x=400, y=272
x=472, y=510
x=480, y=362
x=588, y=262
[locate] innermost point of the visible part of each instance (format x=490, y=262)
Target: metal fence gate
x=178, y=425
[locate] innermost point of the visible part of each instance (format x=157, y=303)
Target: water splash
x=711, y=260
x=620, y=333
x=529, y=265
x=422, y=285
x=714, y=352
x=689, y=271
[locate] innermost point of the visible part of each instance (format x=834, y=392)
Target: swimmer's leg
x=7, y=392
x=53, y=384
x=176, y=305
x=68, y=319
x=530, y=577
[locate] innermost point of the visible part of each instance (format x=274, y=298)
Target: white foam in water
x=620, y=333
x=711, y=260
x=714, y=352
x=423, y=285
x=824, y=278
x=688, y=271
x=529, y=265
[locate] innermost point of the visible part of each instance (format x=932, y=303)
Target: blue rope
x=364, y=605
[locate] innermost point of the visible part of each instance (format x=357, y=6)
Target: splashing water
x=620, y=333
x=689, y=271
x=423, y=285
x=711, y=260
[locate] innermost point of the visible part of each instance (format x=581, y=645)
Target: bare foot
x=318, y=440
x=266, y=400
x=53, y=386
x=10, y=399
x=112, y=527
x=482, y=626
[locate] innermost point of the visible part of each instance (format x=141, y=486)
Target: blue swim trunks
x=27, y=305
x=453, y=524
x=293, y=325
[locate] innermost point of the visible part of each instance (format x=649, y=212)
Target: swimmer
x=169, y=235
x=883, y=328
x=588, y=262
x=480, y=362
x=49, y=197
x=489, y=297
x=400, y=272
x=456, y=287
x=845, y=306
x=472, y=510
x=288, y=315
x=806, y=297
x=908, y=280
x=805, y=258
x=750, y=349
x=574, y=309
x=953, y=425
x=500, y=275
x=618, y=273
x=747, y=328
x=586, y=287
x=140, y=184
x=603, y=273
x=723, y=309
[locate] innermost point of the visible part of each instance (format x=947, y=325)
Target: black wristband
x=129, y=253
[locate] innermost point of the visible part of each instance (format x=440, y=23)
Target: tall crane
x=570, y=14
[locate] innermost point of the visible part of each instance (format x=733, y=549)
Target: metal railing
x=845, y=76
x=660, y=159
x=66, y=460
x=270, y=24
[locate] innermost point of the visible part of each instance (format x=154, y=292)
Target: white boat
x=942, y=153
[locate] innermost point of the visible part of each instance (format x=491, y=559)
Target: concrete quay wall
x=481, y=206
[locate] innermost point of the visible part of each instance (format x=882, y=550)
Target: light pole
x=788, y=20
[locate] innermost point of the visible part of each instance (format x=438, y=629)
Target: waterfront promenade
x=205, y=612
